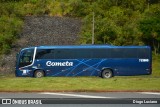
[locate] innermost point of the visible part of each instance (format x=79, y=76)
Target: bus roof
x=85, y=46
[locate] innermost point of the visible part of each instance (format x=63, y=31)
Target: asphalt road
x=82, y=95
x=85, y=99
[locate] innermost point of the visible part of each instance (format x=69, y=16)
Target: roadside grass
x=79, y=84
x=156, y=66
x=119, y=83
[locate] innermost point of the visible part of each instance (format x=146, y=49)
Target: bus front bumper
x=23, y=73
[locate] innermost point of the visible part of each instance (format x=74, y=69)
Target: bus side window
x=45, y=54
x=142, y=53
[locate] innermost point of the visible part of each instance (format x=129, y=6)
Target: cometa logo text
x=50, y=63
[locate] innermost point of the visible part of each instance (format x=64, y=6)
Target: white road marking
x=75, y=95
x=153, y=93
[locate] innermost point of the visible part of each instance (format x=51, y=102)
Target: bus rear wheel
x=107, y=73
x=39, y=74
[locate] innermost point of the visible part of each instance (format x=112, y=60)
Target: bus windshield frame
x=26, y=58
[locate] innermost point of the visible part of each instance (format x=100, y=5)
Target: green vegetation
x=156, y=66
x=139, y=83
x=117, y=22
x=119, y=83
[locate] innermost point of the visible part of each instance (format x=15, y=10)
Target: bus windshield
x=26, y=57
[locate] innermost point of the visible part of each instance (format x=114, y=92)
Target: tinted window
x=63, y=54
x=100, y=53
x=116, y=53
x=129, y=53
x=92, y=53
x=26, y=57
x=122, y=53
x=45, y=54
x=72, y=53
x=82, y=53
x=143, y=53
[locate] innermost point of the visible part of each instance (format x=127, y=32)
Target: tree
x=149, y=27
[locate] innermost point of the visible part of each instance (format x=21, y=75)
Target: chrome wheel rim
x=39, y=74
x=107, y=74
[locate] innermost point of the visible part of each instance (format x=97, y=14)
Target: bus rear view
x=84, y=60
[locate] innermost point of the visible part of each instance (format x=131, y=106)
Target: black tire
x=107, y=73
x=38, y=74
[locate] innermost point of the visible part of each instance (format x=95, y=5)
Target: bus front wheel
x=38, y=74
x=107, y=73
